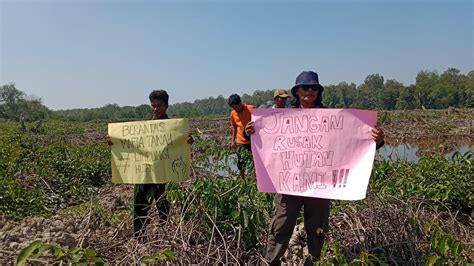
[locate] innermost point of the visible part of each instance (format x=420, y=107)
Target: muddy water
x=412, y=152
x=406, y=152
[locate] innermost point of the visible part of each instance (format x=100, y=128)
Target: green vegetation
x=161, y=255
x=431, y=91
x=61, y=167
x=14, y=104
x=103, y=216
x=228, y=205
x=443, y=182
x=444, y=249
x=80, y=256
x=49, y=170
x=36, y=249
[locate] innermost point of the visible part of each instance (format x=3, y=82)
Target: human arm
x=234, y=135
x=233, y=125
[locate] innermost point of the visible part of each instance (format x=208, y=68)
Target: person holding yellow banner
x=145, y=194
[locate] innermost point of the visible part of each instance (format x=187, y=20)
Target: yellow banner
x=153, y=151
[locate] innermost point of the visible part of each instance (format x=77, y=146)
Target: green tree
x=368, y=92
x=32, y=108
x=331, y=98
x=426, y=83
x=262, y=97
x=14, y=104
x=451, y=89
x=387, y=98
x=9, y=98
x=347, y=93
x=143, y=112
x=341, y=95
x=406, y=100
x=469, y=98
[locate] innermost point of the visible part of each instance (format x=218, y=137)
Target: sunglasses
x=308, y=87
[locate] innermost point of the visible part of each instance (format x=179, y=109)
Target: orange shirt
x=240, y=120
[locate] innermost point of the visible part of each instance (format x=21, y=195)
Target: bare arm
x=234, y=135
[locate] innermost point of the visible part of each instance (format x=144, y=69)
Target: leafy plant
x=435, y=178
x=65, y=254
x=43, y=172
x=161, y=255
x=228, y=203
x=444, y=249
x=331, y=254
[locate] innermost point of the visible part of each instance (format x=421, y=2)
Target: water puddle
x=412, y=153
x=406, y=152
x=220, y=167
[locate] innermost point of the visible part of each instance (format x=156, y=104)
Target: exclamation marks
x=345, y=178
x=339, y=177
x=334, y=177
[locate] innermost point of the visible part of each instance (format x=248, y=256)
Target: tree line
x=431, y=91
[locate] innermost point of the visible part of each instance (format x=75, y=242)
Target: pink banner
x=322, y=153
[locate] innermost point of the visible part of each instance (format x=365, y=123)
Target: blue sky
x=84, y=54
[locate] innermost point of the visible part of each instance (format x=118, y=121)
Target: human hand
x=377, y=135
x=190, y=139
x=108, y=139
x=249, y=128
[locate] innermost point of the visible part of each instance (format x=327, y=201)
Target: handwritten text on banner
x=153, y=151
x=323, y=153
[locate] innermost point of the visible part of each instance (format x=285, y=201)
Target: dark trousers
x=316, y=224
x=242, y=160
x=143, y=197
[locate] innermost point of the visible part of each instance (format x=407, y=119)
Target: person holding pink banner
x=307, y=93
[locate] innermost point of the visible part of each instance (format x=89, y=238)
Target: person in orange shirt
x=239, y=117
